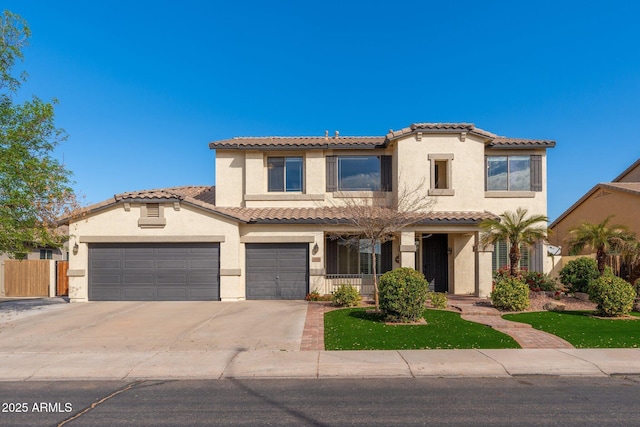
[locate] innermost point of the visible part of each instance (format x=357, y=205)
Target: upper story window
x=358, y=173
x=514, y=173
x=285, y=173
x=440, y=178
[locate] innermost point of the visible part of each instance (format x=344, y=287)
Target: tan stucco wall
x=117, y=224
x=229, y=178
x=604, y=202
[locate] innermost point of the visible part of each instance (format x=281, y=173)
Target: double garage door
x=154, y=272
x=190, y=271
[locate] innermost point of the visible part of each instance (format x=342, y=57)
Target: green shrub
x=538, y=281
x=403, y=294
x=577, y=274
x=613, y=295
x=346, y=296
x=313, y=296
x=510, y=294
x=438, y=299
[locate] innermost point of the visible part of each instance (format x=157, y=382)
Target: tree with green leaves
x=35, y=188
x=602, y=237
x=515, y=228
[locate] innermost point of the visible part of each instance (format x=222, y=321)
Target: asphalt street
x=523, y=401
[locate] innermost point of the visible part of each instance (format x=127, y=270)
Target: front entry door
x=435, y=261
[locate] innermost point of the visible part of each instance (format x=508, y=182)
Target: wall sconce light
x=75, y=248
x=315, y=249
x=397, y=259
x=449, y=251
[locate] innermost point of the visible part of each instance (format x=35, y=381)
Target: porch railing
x=362, y=282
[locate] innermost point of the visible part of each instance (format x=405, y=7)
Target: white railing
x=362, y=282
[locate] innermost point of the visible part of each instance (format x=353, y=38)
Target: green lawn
x=355, y=329
x=582, y=330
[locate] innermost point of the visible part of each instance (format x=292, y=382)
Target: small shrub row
x=613, y=295
x=510, y=294
x=438, y=300
x=535, y=280
x=346, y=296
x=576, y=275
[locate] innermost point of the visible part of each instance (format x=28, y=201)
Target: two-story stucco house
x=268, y=229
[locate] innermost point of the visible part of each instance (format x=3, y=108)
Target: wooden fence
x=27, y=278
x=62, y=281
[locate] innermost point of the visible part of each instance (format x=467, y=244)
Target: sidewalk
x=312, y=362
x=317, y=364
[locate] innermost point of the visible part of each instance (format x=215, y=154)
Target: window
x=285, y=173
x=46, y=254
x=358, y=173
x=514, y=173
x=346, y=257
x=352, y=260
x=500, y=256
x=440, y=177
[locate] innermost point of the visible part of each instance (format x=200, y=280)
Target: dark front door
x=435, y=261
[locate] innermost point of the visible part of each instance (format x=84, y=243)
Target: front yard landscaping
x=355, y=329
x=583, y=330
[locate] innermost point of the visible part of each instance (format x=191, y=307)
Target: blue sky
x=144, y=86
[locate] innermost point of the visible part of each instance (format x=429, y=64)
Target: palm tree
x=602, y=237
x=515, y=228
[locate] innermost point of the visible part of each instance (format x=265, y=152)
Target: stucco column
x=484, y=274
x=407, y=249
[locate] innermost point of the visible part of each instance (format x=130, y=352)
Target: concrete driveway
x=158, y=326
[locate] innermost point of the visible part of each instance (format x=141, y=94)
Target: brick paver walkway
x=525, y=335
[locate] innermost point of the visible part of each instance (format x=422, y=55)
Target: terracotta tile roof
x=198, y=192
x=334, y=215
x=199, y=195
x=298, y=142
x=505, y=142
x=369, y=142
x=439, y=128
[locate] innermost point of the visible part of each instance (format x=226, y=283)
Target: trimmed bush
x=577, y=274
x=438, y=300
x=403, y=294
x=613, y=295
x=538, y=281
x=510, y=294
x=346, y=296
x=535, y=280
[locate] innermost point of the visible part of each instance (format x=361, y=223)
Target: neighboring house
x=620, y=198
x=265, y=231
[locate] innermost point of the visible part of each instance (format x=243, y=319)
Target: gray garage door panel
x=277, y=271
x=154, y=272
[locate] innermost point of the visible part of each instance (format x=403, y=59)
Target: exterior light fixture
x=315, y=249
x=75, y=248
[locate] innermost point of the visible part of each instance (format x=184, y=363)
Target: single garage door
x=154, y=272
x=277, y=271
